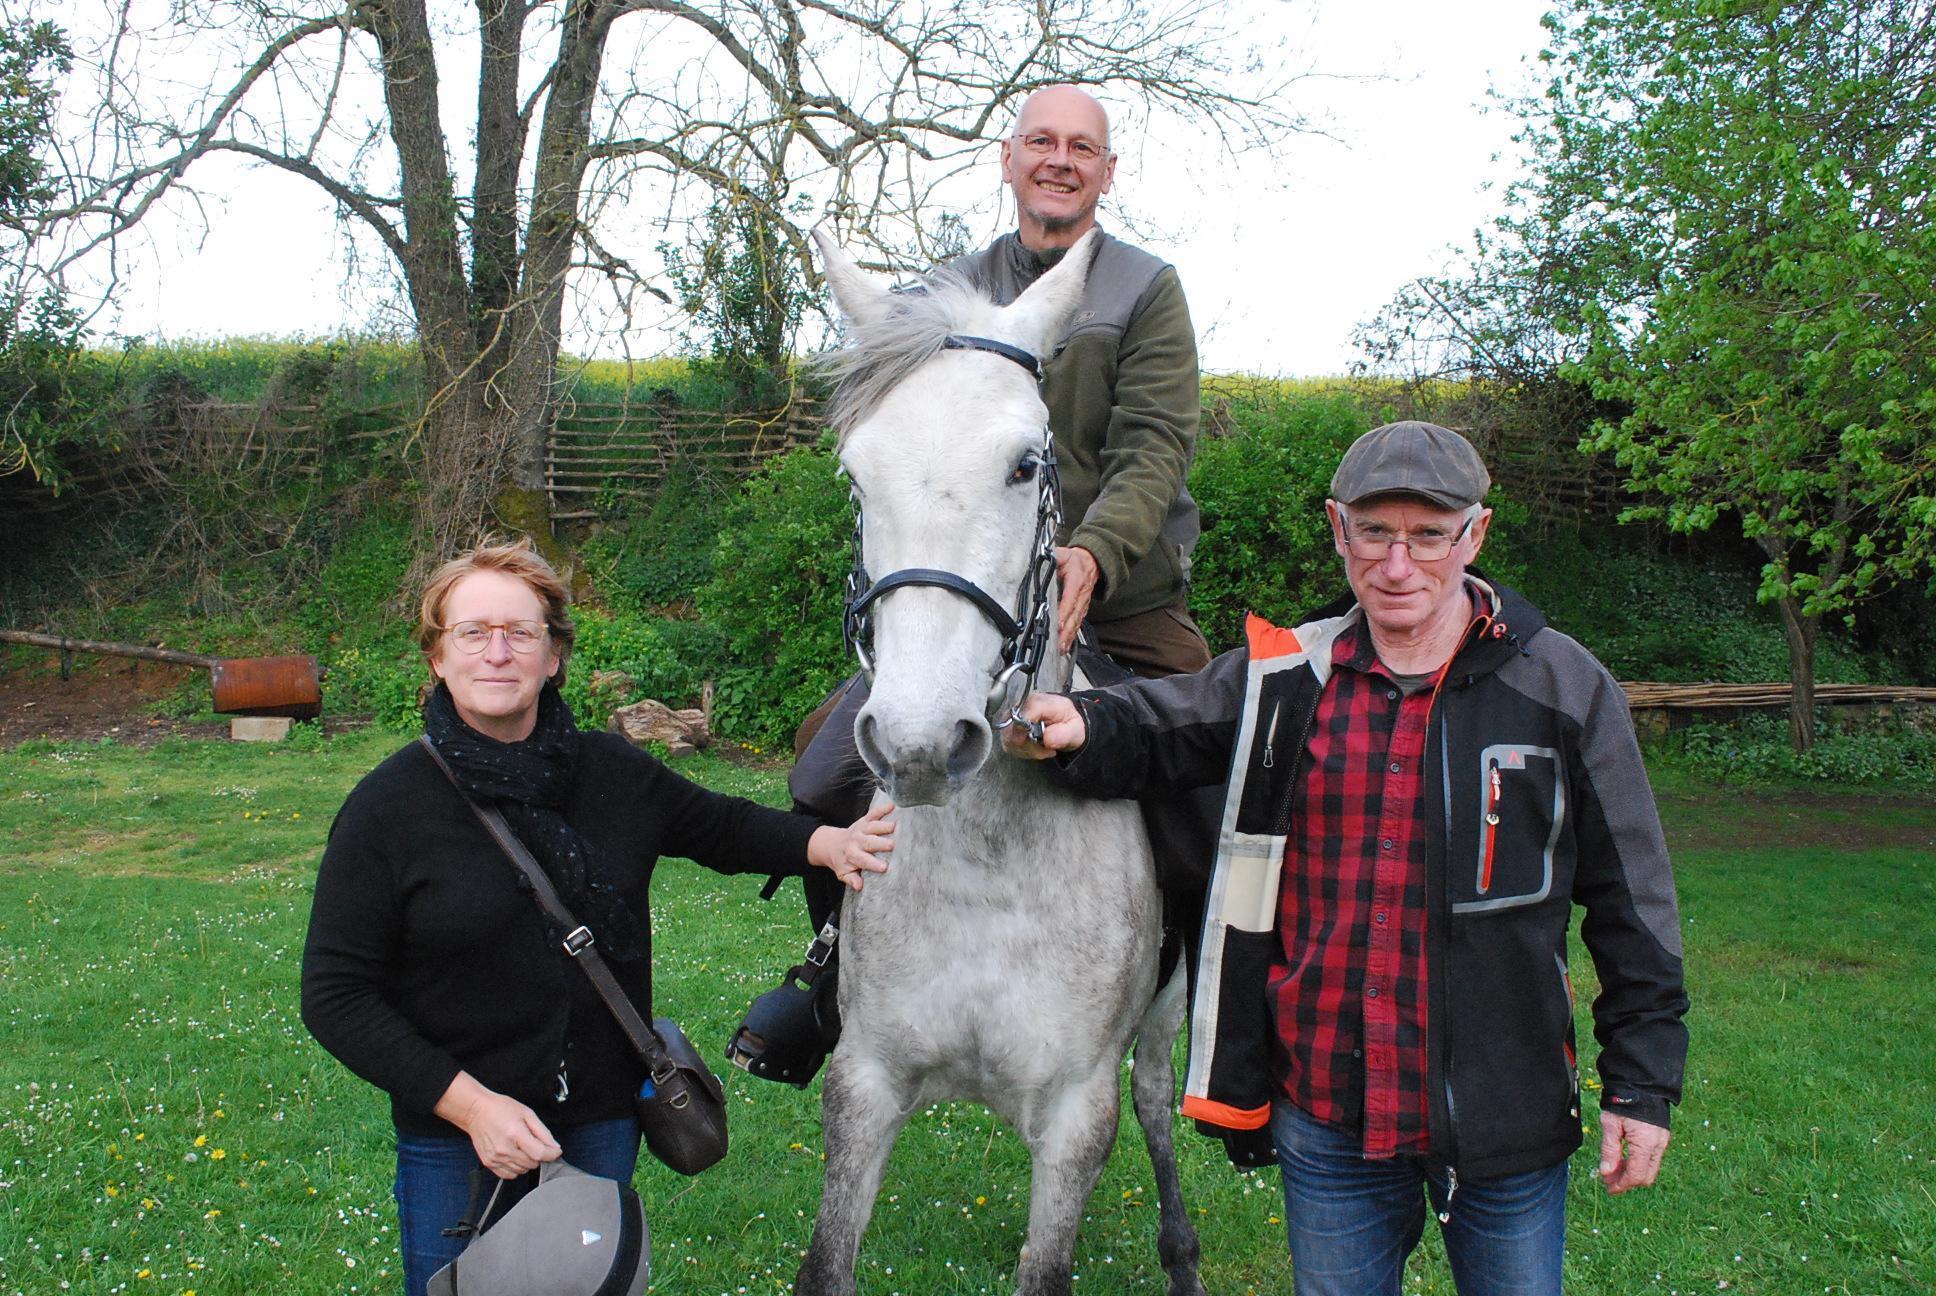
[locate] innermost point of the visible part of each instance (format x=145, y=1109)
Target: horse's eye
x=1024, y=471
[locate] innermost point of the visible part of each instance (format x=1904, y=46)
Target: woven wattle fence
x=599, y=456
x=1643, y=695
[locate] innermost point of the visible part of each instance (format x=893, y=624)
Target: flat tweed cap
x=1412, y=458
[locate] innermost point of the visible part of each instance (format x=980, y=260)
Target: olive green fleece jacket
x=1123, y=402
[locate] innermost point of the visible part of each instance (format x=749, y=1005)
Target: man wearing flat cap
x=1424, y=780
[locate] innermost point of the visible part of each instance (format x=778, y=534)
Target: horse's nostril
x=969, y=749
x=867, y=740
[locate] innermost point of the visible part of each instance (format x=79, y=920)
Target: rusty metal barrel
x=268, y=686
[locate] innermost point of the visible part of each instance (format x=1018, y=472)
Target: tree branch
x=355, y=200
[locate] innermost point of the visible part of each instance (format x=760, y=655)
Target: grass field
x=167, y=1126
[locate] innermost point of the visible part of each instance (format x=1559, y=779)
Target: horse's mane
x=879, y=355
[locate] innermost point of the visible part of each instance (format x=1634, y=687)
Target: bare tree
x=584, y=109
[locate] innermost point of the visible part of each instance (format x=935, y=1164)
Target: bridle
x=1025, y=631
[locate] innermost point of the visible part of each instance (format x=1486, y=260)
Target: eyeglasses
x=1373, y=542
x=1082, y=151
x=474, y=636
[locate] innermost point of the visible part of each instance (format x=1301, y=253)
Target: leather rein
x=1025, y=631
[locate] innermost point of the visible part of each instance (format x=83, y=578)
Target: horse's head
x=944, y=435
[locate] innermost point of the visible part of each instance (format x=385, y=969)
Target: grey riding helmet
x=575, y=1234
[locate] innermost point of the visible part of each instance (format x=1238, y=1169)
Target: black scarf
x=530, y=781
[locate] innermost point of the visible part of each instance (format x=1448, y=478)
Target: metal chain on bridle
x=1025, y=631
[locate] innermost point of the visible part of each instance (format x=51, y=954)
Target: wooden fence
x=598, y=458
x=600, y=455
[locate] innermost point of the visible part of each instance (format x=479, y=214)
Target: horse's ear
x=1036, y=319
x=862, y=297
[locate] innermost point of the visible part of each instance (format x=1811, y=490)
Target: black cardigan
x=424, y=957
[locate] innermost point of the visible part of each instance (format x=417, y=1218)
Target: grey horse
x=1009, y=956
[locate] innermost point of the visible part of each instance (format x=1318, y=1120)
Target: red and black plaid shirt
x=1349, y=987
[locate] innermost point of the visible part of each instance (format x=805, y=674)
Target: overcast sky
x=1281, y=259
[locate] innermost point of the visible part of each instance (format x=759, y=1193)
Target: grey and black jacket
x=1573, y=823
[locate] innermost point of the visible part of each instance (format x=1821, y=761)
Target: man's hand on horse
x=856, y=849
x=1076, y=574
x=1058, y=720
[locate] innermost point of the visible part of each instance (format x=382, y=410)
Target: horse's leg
x=1153, y=1087
x=861, y=1112
x=1070, y=1145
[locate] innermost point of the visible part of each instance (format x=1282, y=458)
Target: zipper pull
x=1269, y=759
x=1492, y=828
x=1451, y=1191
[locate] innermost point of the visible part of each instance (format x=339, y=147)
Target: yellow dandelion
x=981, y=1201
x=201, y=1140
x=220, y=1114
x=140, y=1138
x=147, y=1203
x=217, y=1154
x=312, y=1190
x=212, y=1214
x=145, y=1273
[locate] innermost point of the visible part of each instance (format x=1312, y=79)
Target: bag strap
x=578, y=941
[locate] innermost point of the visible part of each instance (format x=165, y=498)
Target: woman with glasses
x=429, y=970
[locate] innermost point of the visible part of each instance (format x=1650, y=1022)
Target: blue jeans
x=1352, y=1222
x=433, y=1187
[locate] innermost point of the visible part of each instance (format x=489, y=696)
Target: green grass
x=163, y=1111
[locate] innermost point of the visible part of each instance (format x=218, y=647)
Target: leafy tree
x=31, y=55
x=1727, y=233
x=50, y=390
x=746, y=293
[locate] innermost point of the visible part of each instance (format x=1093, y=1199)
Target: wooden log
x=102, y=648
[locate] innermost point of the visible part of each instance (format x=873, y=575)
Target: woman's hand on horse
x=1076, y=574
x=1062, y=726
x=857, y=849
x=507, y=1136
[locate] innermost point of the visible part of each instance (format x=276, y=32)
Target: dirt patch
x=1736, y=819
x=106, y=698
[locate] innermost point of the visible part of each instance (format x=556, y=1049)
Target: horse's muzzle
x=923, y=769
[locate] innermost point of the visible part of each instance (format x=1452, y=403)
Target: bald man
x=1121, y=389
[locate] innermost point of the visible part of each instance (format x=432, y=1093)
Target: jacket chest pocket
x=1521, y=811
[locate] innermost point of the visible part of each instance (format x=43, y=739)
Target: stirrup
x=789, y=1031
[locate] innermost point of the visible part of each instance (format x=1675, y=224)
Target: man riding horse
x=1121, y=389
